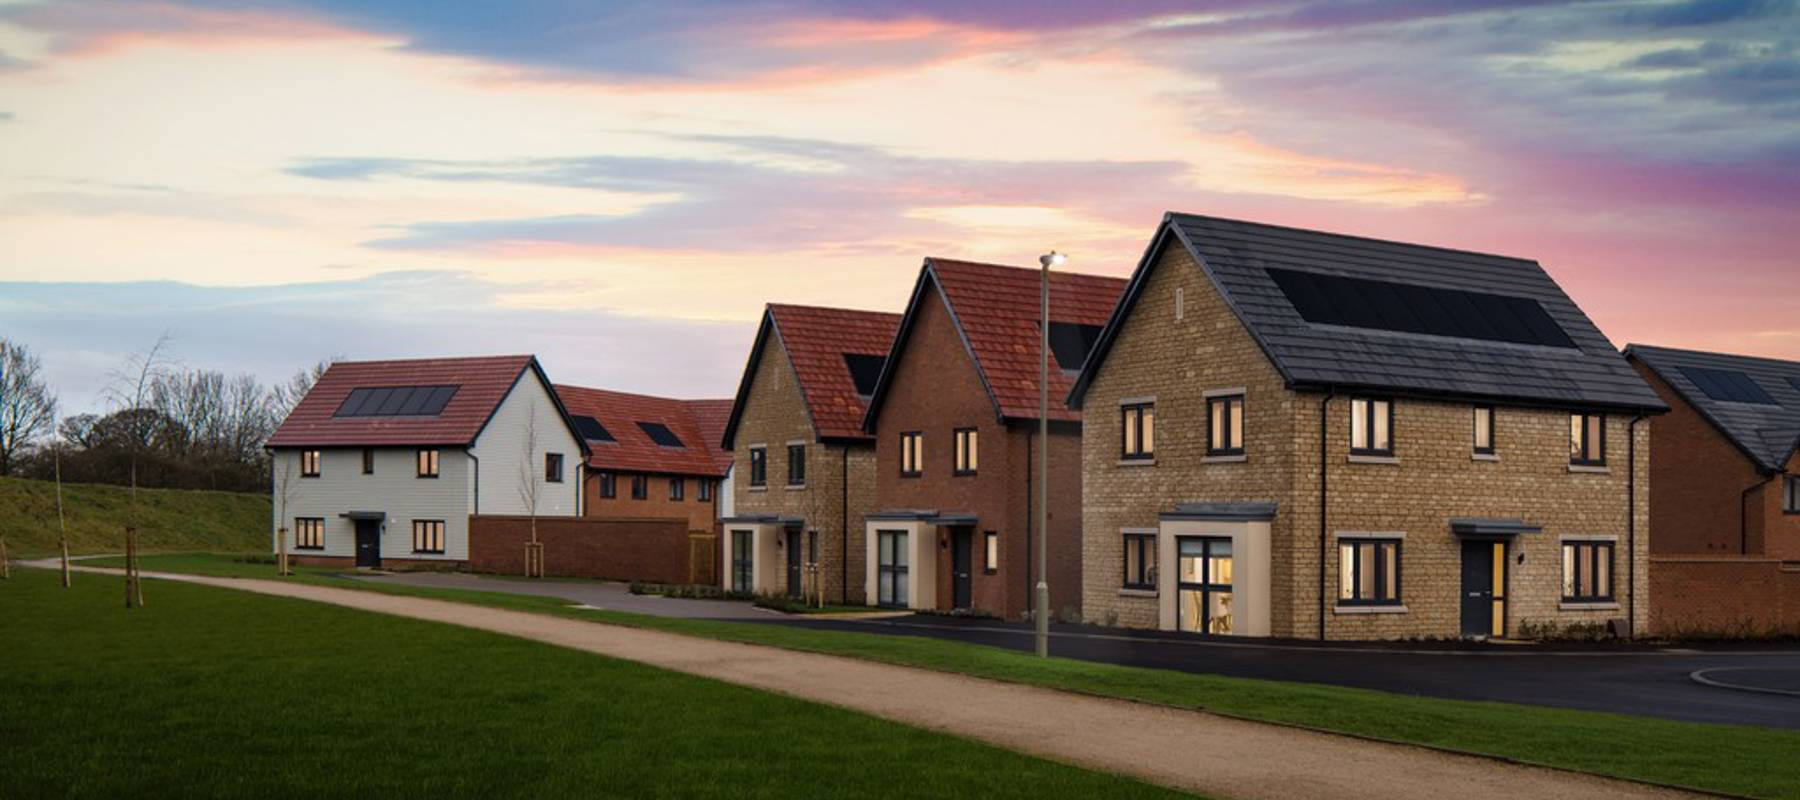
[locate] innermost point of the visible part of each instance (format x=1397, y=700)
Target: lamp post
x=1048, y=260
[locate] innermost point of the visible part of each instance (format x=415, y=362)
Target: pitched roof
x=1582, y=370
x=632, y=448
x=996, y=310
x=1768, y=433
x=817, y=340
x=481, y=384
x=710, y=417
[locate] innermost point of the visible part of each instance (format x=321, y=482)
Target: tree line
x=178, y=427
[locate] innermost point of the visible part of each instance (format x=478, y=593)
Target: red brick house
x=649, y=457
x=1725, y=517
x=955, y=421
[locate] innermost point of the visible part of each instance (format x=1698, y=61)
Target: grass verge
x=168, y=519
x=212, y=693
x=1728, y=759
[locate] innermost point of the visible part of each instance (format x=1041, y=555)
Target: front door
x=1483, y=588
x=368, y=543
x=961, y=555
x=795, y=574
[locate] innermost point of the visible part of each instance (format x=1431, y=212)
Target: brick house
x=1725, y=558
x=804, y=470
x=383, y=463
x=649, y=457
x=1300, y=434
x=955, y=420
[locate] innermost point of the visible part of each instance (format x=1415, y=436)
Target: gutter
x=1631, y=525
x=1744, y=515
x=1324, y=460
x=477, y=460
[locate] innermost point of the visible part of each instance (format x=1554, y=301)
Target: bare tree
x=27, y=406
x=131, y=390
x=287, y=395
x=530, y=490
x=62, y=526
x=285, y=492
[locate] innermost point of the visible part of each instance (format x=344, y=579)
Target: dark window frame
x=1581, y=452
x=1372, y=405
x=889, y=573
x=1136, y=450
x=640, y=487
x=313, y=526
x=609, y=485
x=1573, y=591
x=553, y=467
x=312, y=462
x=704, y=486
x=1356, y=571
x=796, y=467
x=759, y=466
x=420, y=462
x=368, y=461
x=743, y=561
x=990, y=552
x=1212, y=443
x=1145, y=543
x=912, y=453
x=429, y=530
x=1791, y=503
x=965, y=452
x=677, y=489
x=1493, y=443
x=1210, y=552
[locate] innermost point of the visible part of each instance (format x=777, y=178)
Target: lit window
x=1587, y=440
x=1369, y=572
x=1140, y=431
x=992, y=551
x=1140, y=561
x=968, y=451
x=309, y=463
x=1484, y=430
x=1587, y=571
x=609, y=485
x=677, y=488
x=796, y=465
x=759, y=466
x=1226, y=431
x=553, y=467
x=309, y=533
x=1371, y=427
x=428, y=536
x=912, y=454
x=428, y=463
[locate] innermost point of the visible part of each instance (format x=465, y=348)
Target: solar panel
x=395, y=401
x=660, y=434
x=1070, y=343
x=1794, y=382
x=591, y=430
x=865, y=371
x=1728, y=385
x=1407, y=308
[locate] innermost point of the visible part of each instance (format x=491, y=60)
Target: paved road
x=1188, y=750
x=1640, y=681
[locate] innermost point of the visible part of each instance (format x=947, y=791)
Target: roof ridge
x=1354, y=237
x=1636, y=347
x=840, y=309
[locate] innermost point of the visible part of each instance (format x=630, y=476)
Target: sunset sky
x=620, y=187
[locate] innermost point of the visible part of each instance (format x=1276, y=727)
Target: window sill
x=1137, y=462
x=1360, y=459
x=794, y=487
x=756, y=488
x=1368, y=609
x=318, y=549
x=1238, y=458
x=1484, y=456
x=1589, y=469
x=1137, y=593
x=1568, y=605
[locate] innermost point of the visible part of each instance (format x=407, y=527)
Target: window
x=428, y=463
x=759, y=466
x=890, y=576
x=1371, y=427
x=1587, y=440
x=640, y=487
x=1140, y=560
x=309, y=533
x=1203, y=602
x=677, y=488
x=553, y=464
x=912, y=454
x=706, y=490
x=1484, y=430
x=1791, y=504
x=968, y=451
x=368, y=461
x=1587, y=572
x=796, y=465
x=609, y=485
x=1226, y=433
x=740, y=561
x=309, y=463
x=1369, y=572
x=428, y=536
x=1140, y=431
x=991, y=549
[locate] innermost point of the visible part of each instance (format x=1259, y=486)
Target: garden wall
x=649, y=550
x=1724, y=596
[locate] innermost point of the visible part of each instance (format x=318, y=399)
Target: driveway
x=1641, y=681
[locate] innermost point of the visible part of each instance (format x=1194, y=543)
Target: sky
x=620, y=187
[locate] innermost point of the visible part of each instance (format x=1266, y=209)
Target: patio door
x=1203, y=594
x=891, y=569
x=740, y=561
x=796, y=576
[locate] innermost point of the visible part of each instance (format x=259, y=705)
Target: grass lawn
x=1721, y=758
x=169, y=519
x=214, y=693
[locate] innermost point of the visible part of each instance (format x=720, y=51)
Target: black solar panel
x=865, y=371
x=396, y=401
x=1070, y=343
x=1728, y=385
x=591, y=430
x=1406, y=308
x=1794, y=382
x=660, y=434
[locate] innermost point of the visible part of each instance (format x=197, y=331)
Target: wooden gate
x=703, y=558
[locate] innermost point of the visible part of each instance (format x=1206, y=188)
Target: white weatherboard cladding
x=501, y=449
x=394, y=489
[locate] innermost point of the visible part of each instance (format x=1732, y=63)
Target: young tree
x=62, y=527
x=285, y=491
x=287, y=395
x=27, y=406
x=131, y=389
x=530, y=490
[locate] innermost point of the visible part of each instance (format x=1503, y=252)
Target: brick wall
x=699, y=515
x=653, y=550
x=1700, y=478
x=389, y=564
x=1702, y=596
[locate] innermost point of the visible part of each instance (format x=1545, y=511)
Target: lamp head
x=1052, y=259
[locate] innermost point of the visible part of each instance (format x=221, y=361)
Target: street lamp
x=1048, y=260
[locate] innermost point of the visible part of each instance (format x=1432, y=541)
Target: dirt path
x=1188, y=750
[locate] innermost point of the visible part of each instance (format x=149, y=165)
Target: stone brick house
x=803, y=469
x=1725, y=557
x=955, y=419
x=1299, y=434
x=649, y=457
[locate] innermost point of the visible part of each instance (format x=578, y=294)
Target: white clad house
x=382, y=463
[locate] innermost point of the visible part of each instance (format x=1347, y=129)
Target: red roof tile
x=816, y=340
x=482, y=383
x=710, y=417
x=633, y=450
x=998, y=308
